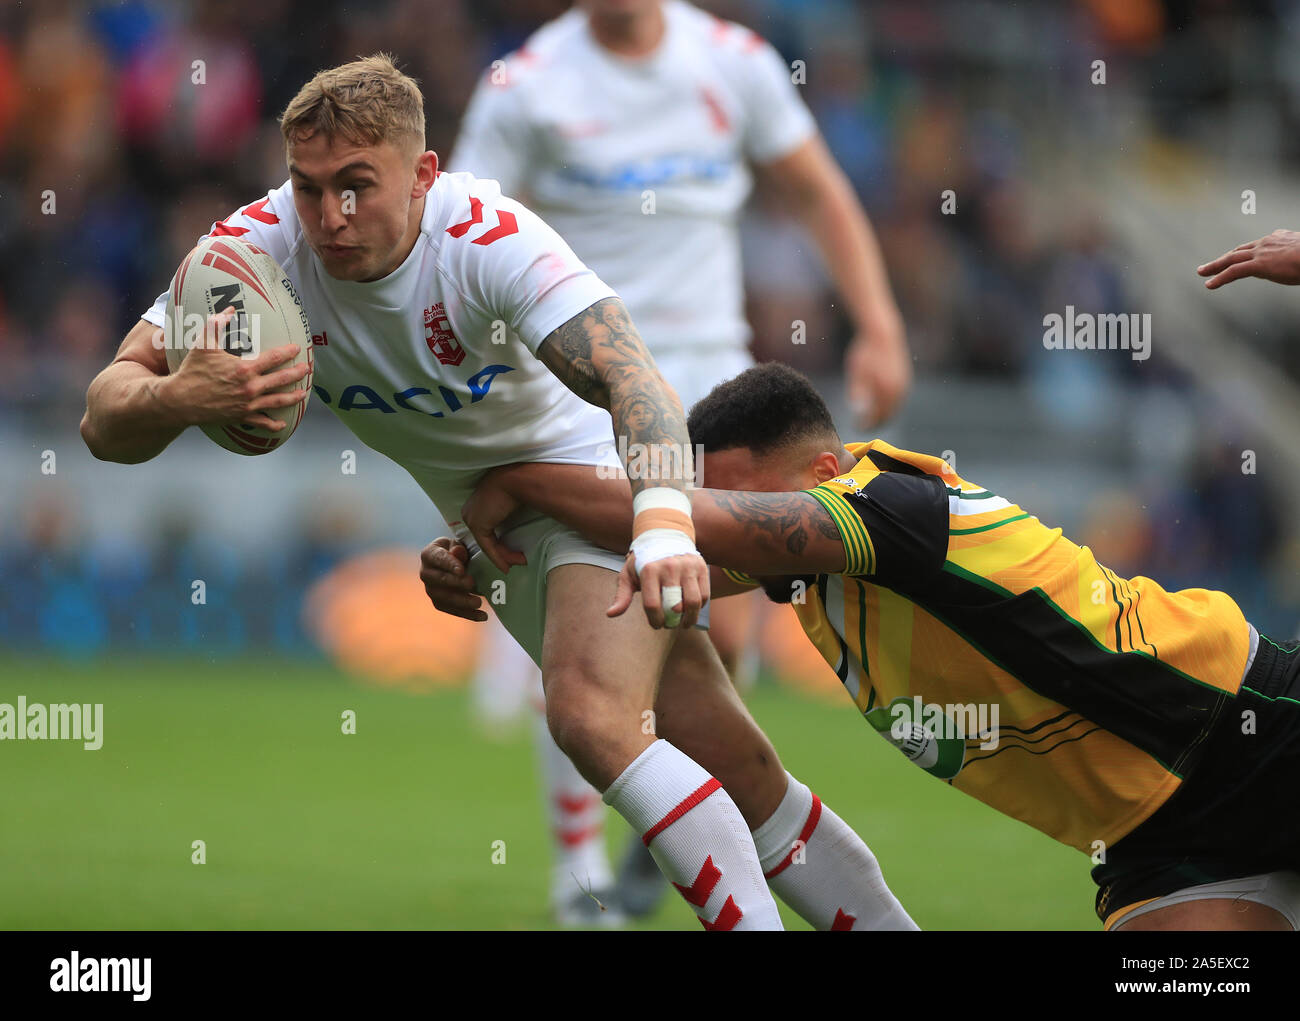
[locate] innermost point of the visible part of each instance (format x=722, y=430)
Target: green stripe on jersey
x=739, y=577
x=857, y=544
x=986, y=528
x=961, y=572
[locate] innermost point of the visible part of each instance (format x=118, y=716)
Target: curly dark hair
x=764, y=408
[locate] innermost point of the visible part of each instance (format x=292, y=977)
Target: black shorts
x=1238, y=812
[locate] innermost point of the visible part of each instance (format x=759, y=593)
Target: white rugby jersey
x=409, y=362
x=593, y=138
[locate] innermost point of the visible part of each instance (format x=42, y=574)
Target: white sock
x=822, y=869
x=697, y=836
x=577, y=818
x=504, y=679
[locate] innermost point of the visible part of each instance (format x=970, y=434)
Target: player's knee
x=569, y=728
x=579, y=715
x=590, y=735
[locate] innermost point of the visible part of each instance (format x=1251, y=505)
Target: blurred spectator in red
x=10, y=96
x=190, y=97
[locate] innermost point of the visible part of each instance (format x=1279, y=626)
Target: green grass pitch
x=393, y=827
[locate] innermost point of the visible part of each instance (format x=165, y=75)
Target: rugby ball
x=224, y=272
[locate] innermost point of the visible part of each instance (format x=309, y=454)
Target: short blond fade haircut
x=365, y=102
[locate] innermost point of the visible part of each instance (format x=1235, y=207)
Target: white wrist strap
x=659, y=544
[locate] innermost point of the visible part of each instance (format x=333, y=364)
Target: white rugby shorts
x=519, y=600
x=1277, y=890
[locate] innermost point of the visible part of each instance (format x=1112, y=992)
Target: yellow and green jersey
x=1001, y=657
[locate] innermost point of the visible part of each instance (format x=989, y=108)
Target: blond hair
x=365, y=102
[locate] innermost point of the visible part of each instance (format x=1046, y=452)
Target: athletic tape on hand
x=670, y=596
x=660, y=544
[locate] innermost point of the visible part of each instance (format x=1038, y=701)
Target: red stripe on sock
x=814, y=814
x=576, y=802
x=576, y=838
x=686, y=805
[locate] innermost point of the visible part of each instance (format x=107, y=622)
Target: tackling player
x=634, y=128
x=1156, y=731
x=410, y=276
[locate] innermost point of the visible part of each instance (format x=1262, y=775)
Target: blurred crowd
x=182, y=591
x=127, y=128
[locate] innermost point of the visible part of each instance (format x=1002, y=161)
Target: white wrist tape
x=661, y=498
x=660, y=543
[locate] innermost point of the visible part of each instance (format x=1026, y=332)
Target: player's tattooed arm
x=760, y=534
x=599, y=355
x=766, y=533
x=755, y=533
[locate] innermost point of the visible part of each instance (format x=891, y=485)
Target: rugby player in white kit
x=634, y=129
x=410, y=276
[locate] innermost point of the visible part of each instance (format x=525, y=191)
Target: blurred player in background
x=634, y=128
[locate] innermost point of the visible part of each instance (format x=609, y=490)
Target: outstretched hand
x=1274, y=257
